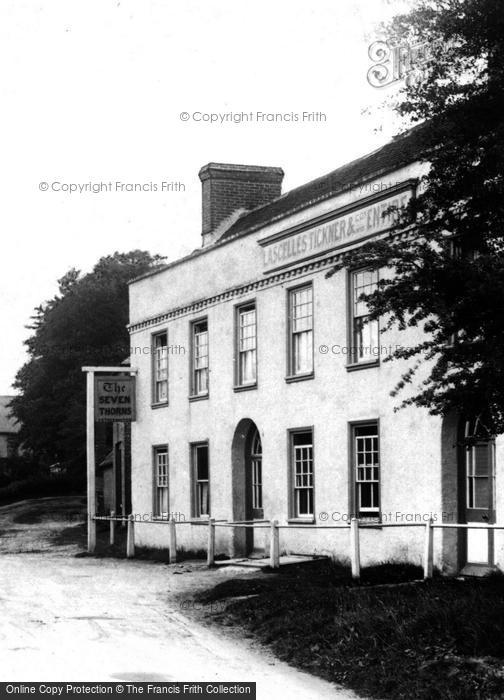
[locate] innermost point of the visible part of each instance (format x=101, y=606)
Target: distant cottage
x=9, y=428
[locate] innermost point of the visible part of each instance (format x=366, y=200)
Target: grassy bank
x=38, y=486
x=442, y=639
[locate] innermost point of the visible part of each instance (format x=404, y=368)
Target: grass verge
x=78, y=535
x=440, y=639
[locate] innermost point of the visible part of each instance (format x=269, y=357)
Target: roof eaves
x=231, y=236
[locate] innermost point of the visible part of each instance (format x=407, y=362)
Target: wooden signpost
x=108, y=398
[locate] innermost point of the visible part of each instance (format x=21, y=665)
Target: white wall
x=410, y=439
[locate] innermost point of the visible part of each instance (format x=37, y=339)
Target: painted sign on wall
x=359, y=223
x=114, y=399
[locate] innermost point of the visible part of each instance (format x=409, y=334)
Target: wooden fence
x=354, y=528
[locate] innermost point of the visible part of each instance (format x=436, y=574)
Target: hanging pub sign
x=114, y=399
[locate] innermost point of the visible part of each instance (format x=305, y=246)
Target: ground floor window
x=301, y=442
x=366, y=469
x=201, y=480
x=161, y=498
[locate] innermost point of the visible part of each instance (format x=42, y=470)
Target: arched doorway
x=246, y=460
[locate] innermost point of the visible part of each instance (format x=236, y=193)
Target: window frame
x=352, y=362
x=193, y=396
x=472, y=476
x=155, y=487
x=294, y=517
x=154, y=402
x=290, y=359
x=195, y=510
x=368, y=516
x=256, y=476
x=238, y=309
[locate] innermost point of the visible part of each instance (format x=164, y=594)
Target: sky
x=92, y=92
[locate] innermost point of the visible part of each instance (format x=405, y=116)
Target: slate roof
x=398, y=152
x=401, y=150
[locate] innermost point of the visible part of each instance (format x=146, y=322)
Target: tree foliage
x=84, y=324
x=448, y=278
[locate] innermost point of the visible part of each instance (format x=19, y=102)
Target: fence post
x=355, y=548
x=275, y=545
x=112, y=527
x=173, y=542
x=130, y=538
x=211, y=542
x=429, y=550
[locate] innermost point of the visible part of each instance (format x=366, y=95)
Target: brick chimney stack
x=230, y=188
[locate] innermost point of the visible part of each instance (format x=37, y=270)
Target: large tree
x=84, y=324
x=448, y=278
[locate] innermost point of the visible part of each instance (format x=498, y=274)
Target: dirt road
x=64, y=618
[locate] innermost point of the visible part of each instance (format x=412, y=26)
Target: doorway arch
x=246, y=468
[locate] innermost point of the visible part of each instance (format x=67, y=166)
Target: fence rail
x=354, y=527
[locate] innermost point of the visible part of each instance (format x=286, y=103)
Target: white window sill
x=299, y=377
x=198, y=397
x=308, y=520
x=244, y=387
x=362, y=365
